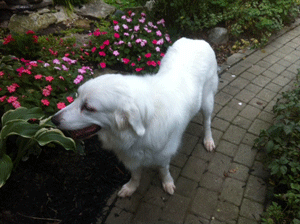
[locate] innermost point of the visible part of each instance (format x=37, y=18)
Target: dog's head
x=104, y=102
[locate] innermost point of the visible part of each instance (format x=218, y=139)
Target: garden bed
x=62, y=186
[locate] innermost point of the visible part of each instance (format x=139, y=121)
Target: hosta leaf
x=19, y=127
x=46, y=136
x=23, y=114
x=6, y=166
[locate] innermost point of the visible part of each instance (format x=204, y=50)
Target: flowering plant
x=135, y=43
x=22, y=45
x=40, y=84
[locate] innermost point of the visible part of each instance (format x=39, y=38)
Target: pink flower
x=160, y=42
x=64, y=68
x=162, y=54
x=16, y=104
x=1, y=73
x=167, y=36
x=116, y=53
x=126, y=60
x=129, y=20
x=102, y=53
x=12, y=88
x=78, y=79
x=39, y=76
x=46, y=92
x=61, y=105
x=126, y=34
x=102, y=65
x=33, y=63
x=153, y=63
x=49, y=78
x=46, y=64
x=158, y=62
x=49, y=87
x=2, y=98
x=142, y=20
x=12, y=99
x=45, y=102
x=162, y=21
x=158, y=33
x=116, y=35
x=138, y=41
x=148, y=55
x=143, y=14
x=81, y=71
x=70, y=99
x=94, y=49
x=116, y=28
x=136, y=28
x=125, y=26
x=56, y=61
x=157, y=49
x=61, y=77
x=132, y=64
x=102, y=47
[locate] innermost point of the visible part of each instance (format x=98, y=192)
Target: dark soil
x=62, y=187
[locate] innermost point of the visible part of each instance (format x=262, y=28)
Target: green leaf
x=23, y=114
x=270, y=146
x=288, y=129
x=46, y=136
x=6, y=166
x=283, y=170
x=19, y=127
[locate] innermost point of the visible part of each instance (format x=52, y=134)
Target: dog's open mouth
x=85, y=132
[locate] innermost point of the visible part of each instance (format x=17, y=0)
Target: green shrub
x=281, y=142
x=22, y=45
x=70, y=3
x=254, y=18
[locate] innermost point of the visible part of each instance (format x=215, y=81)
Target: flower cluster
x=135, y=43
x=48, y=85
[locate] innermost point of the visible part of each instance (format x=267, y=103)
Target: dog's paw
x=169, y=187
x=126, y=191
x=209, y=145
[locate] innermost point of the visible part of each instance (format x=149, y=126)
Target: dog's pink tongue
x=85, y=132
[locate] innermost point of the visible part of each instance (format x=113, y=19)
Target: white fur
x=143, y=117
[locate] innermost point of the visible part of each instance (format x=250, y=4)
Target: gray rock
x=96, y=9
x=218, y=35
x=150, y=4
x=33, y=21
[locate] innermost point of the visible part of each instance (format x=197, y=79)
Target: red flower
x=30, y=32
x=8, y=39
x=61, y=105
x=126, y=60
x=132, y=64
x=102, y=53
x=12, y=99
x=102, y=65
x=115, y=22
x=106, y=42
x=154, y=41
x=70, y=99
x=116, y=35
x=16, y=104
x=35, y=38
x=138, y=69
x=1, y=73
x=67, y=55
x=148, y=55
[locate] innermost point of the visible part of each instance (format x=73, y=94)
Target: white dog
x=142, y=118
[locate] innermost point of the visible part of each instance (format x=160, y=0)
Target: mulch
x=62, y=187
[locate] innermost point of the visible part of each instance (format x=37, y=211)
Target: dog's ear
x=130, y=115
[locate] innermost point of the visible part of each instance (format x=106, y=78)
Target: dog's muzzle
x=83, y=133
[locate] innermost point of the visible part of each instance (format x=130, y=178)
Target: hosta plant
x=135, y=44
x=32, y=132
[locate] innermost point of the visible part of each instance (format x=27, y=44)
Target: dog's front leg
x=130, y=187
x=167, y=180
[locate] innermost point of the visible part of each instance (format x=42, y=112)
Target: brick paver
x=228, y=185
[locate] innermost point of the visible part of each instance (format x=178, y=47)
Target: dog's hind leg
x=130, y=187
x=167, y=180
x=207, y=109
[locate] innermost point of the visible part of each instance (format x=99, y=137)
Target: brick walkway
x=228, y=185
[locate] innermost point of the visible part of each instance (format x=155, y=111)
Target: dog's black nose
x=55, y=120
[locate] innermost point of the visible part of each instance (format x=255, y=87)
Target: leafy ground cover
x=281, y=142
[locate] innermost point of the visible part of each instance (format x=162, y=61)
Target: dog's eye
x=88, y=108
